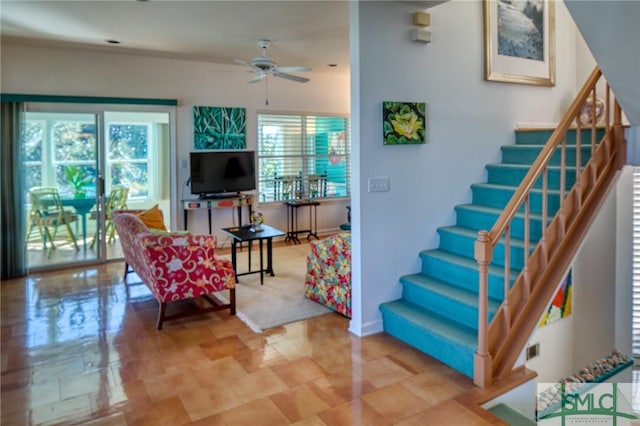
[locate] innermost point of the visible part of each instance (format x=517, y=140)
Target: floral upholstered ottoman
x=328, y=279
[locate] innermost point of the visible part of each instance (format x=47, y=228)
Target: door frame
x=98, y=107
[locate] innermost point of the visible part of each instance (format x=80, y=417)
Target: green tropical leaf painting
x=219, y=128
x=404, y=123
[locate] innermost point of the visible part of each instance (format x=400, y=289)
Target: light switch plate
x=379, y=184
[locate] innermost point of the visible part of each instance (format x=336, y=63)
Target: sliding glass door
x=79, y=167
x=61, y=175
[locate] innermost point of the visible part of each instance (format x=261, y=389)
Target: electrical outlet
x=533, y=351
x=379, y=184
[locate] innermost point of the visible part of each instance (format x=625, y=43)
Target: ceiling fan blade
x=290, y=77
x=292, y=69
x=241, y=62
x=258, y=77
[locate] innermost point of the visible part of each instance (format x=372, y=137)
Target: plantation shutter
x=636, y=263
x=297, y=148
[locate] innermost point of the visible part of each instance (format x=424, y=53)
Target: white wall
x=468, y=120
x=556, y=350
x=594, y=288
x=28, y=69
x=623, y=309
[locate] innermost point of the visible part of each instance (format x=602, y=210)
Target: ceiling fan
x=263, y=65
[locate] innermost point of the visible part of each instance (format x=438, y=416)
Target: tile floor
x=78, y=348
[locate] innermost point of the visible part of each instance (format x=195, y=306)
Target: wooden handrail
x=501, y=342
x=543, y=158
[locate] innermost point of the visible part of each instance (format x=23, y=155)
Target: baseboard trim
x=366, y=329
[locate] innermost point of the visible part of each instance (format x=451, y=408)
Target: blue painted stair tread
x=511, y=416
x=513, y=174
x=483, y=218
x=438, y=311
x=460, y=240
x=498, y=196
x=454, y=303
x=453, y=345
x=541, y=136
x=527, y=154
x=462, y=271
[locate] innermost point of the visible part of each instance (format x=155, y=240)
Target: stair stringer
x=519, y=315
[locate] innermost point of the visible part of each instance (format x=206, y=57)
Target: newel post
x=482, y=358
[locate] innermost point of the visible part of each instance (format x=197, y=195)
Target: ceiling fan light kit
x=262, y=66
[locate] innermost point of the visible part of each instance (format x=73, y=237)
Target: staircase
x=438, y=311
x=454, y=309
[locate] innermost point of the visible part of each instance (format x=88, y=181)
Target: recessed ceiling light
x=333, y=65
x=111, y=41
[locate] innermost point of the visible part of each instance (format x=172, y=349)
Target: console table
x=292, y=219
x=238, y=202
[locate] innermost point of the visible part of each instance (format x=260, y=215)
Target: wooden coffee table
x=246, y=234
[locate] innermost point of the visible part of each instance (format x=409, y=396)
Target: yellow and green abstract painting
x=404, y=123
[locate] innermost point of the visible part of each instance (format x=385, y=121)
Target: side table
x=248, y=234
x=292, y=219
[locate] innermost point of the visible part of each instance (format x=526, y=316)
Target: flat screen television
x=219, y=173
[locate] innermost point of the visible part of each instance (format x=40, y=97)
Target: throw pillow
x=153, y=218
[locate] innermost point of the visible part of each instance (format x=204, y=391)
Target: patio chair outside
x=117, y=200
x=48, y=214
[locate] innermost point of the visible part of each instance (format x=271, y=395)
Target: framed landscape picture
x=404, y=123
x=519, y=41
x=219, y=128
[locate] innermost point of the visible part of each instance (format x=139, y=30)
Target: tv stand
x=223, y=196
x=230, y=200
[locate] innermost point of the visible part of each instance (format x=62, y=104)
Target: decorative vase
x=256, y=221
x=588, y=112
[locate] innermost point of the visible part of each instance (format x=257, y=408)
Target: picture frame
x=404, y=123
x=519, y=41
x=219, y=128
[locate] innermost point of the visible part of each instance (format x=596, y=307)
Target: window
x=52, y=142
x=294, y=151
x=73, y=143
x=32, y=136
x=128, y=159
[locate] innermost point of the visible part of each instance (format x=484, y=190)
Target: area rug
x=281, y=299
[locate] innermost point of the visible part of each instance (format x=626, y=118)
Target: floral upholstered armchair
x=328, y=279
x=175, y=266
